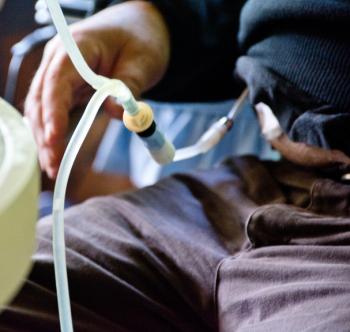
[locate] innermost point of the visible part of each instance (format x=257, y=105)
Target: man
x=248, y=246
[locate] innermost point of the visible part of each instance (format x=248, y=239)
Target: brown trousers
x=248, y=246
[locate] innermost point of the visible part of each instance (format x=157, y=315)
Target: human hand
x=129, y=41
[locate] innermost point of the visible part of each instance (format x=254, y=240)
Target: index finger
x=32, y=105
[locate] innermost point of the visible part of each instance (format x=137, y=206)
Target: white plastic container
x=19, y=189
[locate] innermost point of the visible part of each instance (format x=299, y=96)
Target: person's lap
x=175, y=257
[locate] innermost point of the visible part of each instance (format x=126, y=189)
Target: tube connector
x=214, y=135
x=141, y=121
x=207, y=141
x=161, y=150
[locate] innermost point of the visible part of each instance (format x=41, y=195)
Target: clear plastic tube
x=105, y=87
x=206, y=142
x=59, y=197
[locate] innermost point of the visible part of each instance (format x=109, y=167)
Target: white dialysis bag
x=19, y=191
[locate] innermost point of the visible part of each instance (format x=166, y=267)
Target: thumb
x=139, y=71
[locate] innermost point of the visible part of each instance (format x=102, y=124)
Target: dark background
x=16, y=21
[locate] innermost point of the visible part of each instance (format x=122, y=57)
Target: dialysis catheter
x=138, y=117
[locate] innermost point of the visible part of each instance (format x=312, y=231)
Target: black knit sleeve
x=203, y=49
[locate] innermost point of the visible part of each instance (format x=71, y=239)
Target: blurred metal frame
x=19, y=51
x=73, y=10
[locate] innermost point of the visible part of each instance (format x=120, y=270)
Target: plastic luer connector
x=162, y=151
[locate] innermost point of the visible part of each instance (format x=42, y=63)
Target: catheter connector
x=141, y=121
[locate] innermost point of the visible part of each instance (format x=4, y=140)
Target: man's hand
x=129, y=41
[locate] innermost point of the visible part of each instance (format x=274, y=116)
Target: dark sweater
x=305, y=41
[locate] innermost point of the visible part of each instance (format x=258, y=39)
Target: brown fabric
x=248, y=246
